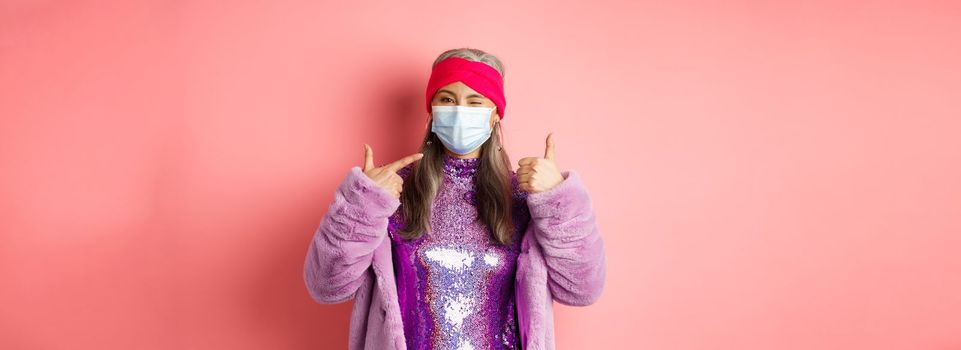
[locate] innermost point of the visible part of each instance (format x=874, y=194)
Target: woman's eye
x=475, y=102
x=446, y=99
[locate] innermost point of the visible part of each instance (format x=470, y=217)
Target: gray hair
x=473, y=55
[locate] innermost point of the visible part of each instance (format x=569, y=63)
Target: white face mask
x=462, y=129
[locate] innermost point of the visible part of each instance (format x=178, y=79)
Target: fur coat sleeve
x=343, y=244
x=566, y=230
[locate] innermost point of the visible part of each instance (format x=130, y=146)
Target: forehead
x=458, y=88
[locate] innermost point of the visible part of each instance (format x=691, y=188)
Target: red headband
x=477, y=75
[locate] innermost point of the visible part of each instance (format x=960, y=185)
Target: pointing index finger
x=400, y=163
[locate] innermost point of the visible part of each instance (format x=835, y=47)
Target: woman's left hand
x=539, y=174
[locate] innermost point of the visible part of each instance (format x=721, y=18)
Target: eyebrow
x=468, y=96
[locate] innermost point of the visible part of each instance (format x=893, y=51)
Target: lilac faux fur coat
x=562, y=259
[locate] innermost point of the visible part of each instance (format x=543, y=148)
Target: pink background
x=766, y=175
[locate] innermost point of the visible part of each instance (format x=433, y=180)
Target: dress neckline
x=460, y=167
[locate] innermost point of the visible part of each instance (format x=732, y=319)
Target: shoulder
x=406, y=171
x=520, y=213
x=519, y=194
x=397, y=221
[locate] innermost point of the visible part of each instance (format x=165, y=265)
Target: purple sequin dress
x=455, y=283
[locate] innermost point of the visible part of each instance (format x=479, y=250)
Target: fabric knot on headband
x=477, y=75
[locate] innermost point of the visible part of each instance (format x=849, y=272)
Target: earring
x=428, y=142
x=497, y=123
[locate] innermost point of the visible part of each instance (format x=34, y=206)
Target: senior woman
x=450, y=248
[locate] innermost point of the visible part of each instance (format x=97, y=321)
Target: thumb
x=368, y=158
x=549, y=150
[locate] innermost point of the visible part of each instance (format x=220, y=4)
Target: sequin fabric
x=455, y=283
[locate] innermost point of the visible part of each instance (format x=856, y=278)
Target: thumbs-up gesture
x=386, y=176
x=539, y=174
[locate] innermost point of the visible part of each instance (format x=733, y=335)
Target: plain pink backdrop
x=766, y=175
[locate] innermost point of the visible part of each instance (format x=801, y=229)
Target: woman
x=449, y=248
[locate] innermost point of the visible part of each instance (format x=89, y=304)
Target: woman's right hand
x=386, y=176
